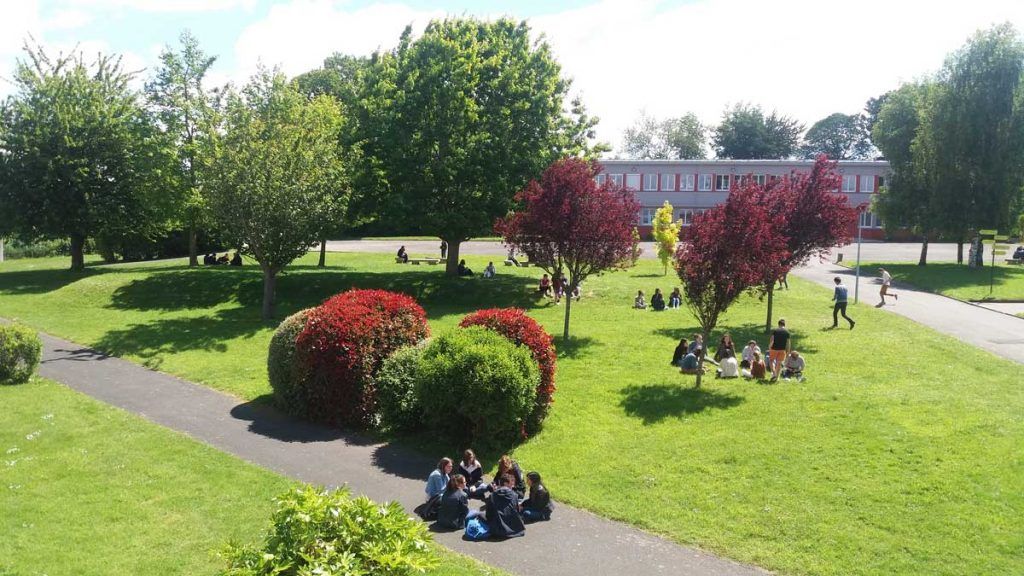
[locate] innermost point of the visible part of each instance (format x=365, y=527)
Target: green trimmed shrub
x=397, y=389
x=318, y=531
x=20, y=349
x=475, y=382
x=283, y=367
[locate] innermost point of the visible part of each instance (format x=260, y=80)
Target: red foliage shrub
x=514, y=324
x=344, y=342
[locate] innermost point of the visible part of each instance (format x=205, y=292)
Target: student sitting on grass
x=236, y=260
x=463, y=269
x=454, y=504
x=675, y=299
x=728, y=368
x=747, y=356
x=544, y=288
x=402, y=255
x=725, y=343
x=489, y=271
x=679, y=352
x=639, y=302
x=688, y=365
x=658, y=300
x=757, y=368
x=793, y=367
x=538, y=506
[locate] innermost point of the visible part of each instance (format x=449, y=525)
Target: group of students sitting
x=751, y=365
x=211, y=259
x=506, y=508
x=556, y=288
x=675, y=300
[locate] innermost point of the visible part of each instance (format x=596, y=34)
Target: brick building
x=693, y=186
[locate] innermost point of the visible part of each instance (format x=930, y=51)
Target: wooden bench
x=521, y=263
x=418, y=261
x=1015, y=261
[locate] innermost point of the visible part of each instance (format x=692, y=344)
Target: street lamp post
x=856, y=283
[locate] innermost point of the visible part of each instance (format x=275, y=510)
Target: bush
x=342, y=346
x=474, y=382
x=514, y=324
x=317, y=531
x=397, y=393
x=16, y=248
x=283, y=368
x=19, y=354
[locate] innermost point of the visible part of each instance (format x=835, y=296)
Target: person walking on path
x=444, y=250
x=886, y=283
x=840, y=298
x=778, y=348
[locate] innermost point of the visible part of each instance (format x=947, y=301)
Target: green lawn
x=900, y=454
x=957, y=281
x=88, y=489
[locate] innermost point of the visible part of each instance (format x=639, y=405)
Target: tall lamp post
x=856, y=283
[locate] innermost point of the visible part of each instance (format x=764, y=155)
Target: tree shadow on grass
x=42, y=281
x=653, y=403
x=575, y=347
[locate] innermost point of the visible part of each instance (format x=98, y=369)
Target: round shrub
x=343, y=344
x=397, y=394
x=284, y=370
x=514, y=324
x=19, y=354
x=474, y=382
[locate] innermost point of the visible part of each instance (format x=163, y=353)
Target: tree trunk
x=269, y=280
x=768, y=319
x=193, y=247
x=451, y=268
x=960, y=251
x=700, y=361
x=568, y=305
x=924, y=252
x=323, y=254
x=77, y=252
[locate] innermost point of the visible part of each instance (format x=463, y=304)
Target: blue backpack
x=476, y=529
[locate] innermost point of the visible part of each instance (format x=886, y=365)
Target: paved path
x=994, y=331
x=575, y=542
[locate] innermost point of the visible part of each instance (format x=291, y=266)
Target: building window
x=849, y=184
x=633, y=181
x=616, y=180
x=668, y=182
x=881, y=181
x=761, y=179
x=705, y=183
x=870, y=220
x=647, y=216
x=867, y=184
x=686, y=217
x=686, y=182
x=650, y=182
x=722, y=183
x=600, y=178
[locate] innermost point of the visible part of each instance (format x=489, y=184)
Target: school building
x=693, y=186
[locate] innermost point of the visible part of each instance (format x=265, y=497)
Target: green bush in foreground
x=283, y=368
x=318, y=531
x=19, y=354
x=397, y=389
x=476, y=383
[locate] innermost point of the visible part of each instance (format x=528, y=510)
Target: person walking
x=886, y=283
x=840, y=298
x=778, y=348
x=444, y=250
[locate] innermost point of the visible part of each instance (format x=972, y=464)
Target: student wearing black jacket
x=454, y=504
x=503, y=517
x=470, y=468
x=538, y=506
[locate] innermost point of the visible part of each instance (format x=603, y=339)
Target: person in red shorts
x=778, y=348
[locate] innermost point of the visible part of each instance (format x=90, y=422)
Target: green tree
x=838, y=136
x=652, y=139
x=79, y=155
x=185, y=109
x=275, y=171
x=747, y=133
x=455, y=122
x=666, y=233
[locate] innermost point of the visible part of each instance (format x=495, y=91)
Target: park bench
x=522, y=263
x=418, y=261
x=1016, y=261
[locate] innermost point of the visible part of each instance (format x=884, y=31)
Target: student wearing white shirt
x=748, y=353
x=728, y=367
x=886, y=283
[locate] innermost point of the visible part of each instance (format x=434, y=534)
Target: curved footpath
x=574, y=542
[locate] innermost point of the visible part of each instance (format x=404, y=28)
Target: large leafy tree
x=838, y=136
x=652, y=139
x=276, y=169
x=811, y=219
x=80, y=157
x=185, y=107
x=666, y=233
x=570, y=226
x=454, y=122
x=747, y=133
x=727, y=252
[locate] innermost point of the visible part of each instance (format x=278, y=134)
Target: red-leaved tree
x=729, y=249
x=571, y=226
x=812, y=215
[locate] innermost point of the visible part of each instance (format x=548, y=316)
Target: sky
x=804, y=58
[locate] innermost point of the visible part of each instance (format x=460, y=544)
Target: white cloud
x=165, y=6
x=68, y=19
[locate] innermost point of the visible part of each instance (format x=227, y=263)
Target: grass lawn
x=900, y=454
x=89, y=489
x=957, y=281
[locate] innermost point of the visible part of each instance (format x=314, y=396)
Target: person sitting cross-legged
x=640, y=303
x=658, y=300
x=793, y=366
x=538, y=506
x=728, y=367
x=503, y=517
x=454, y=504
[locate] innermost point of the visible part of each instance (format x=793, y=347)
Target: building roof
x=769, y=162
